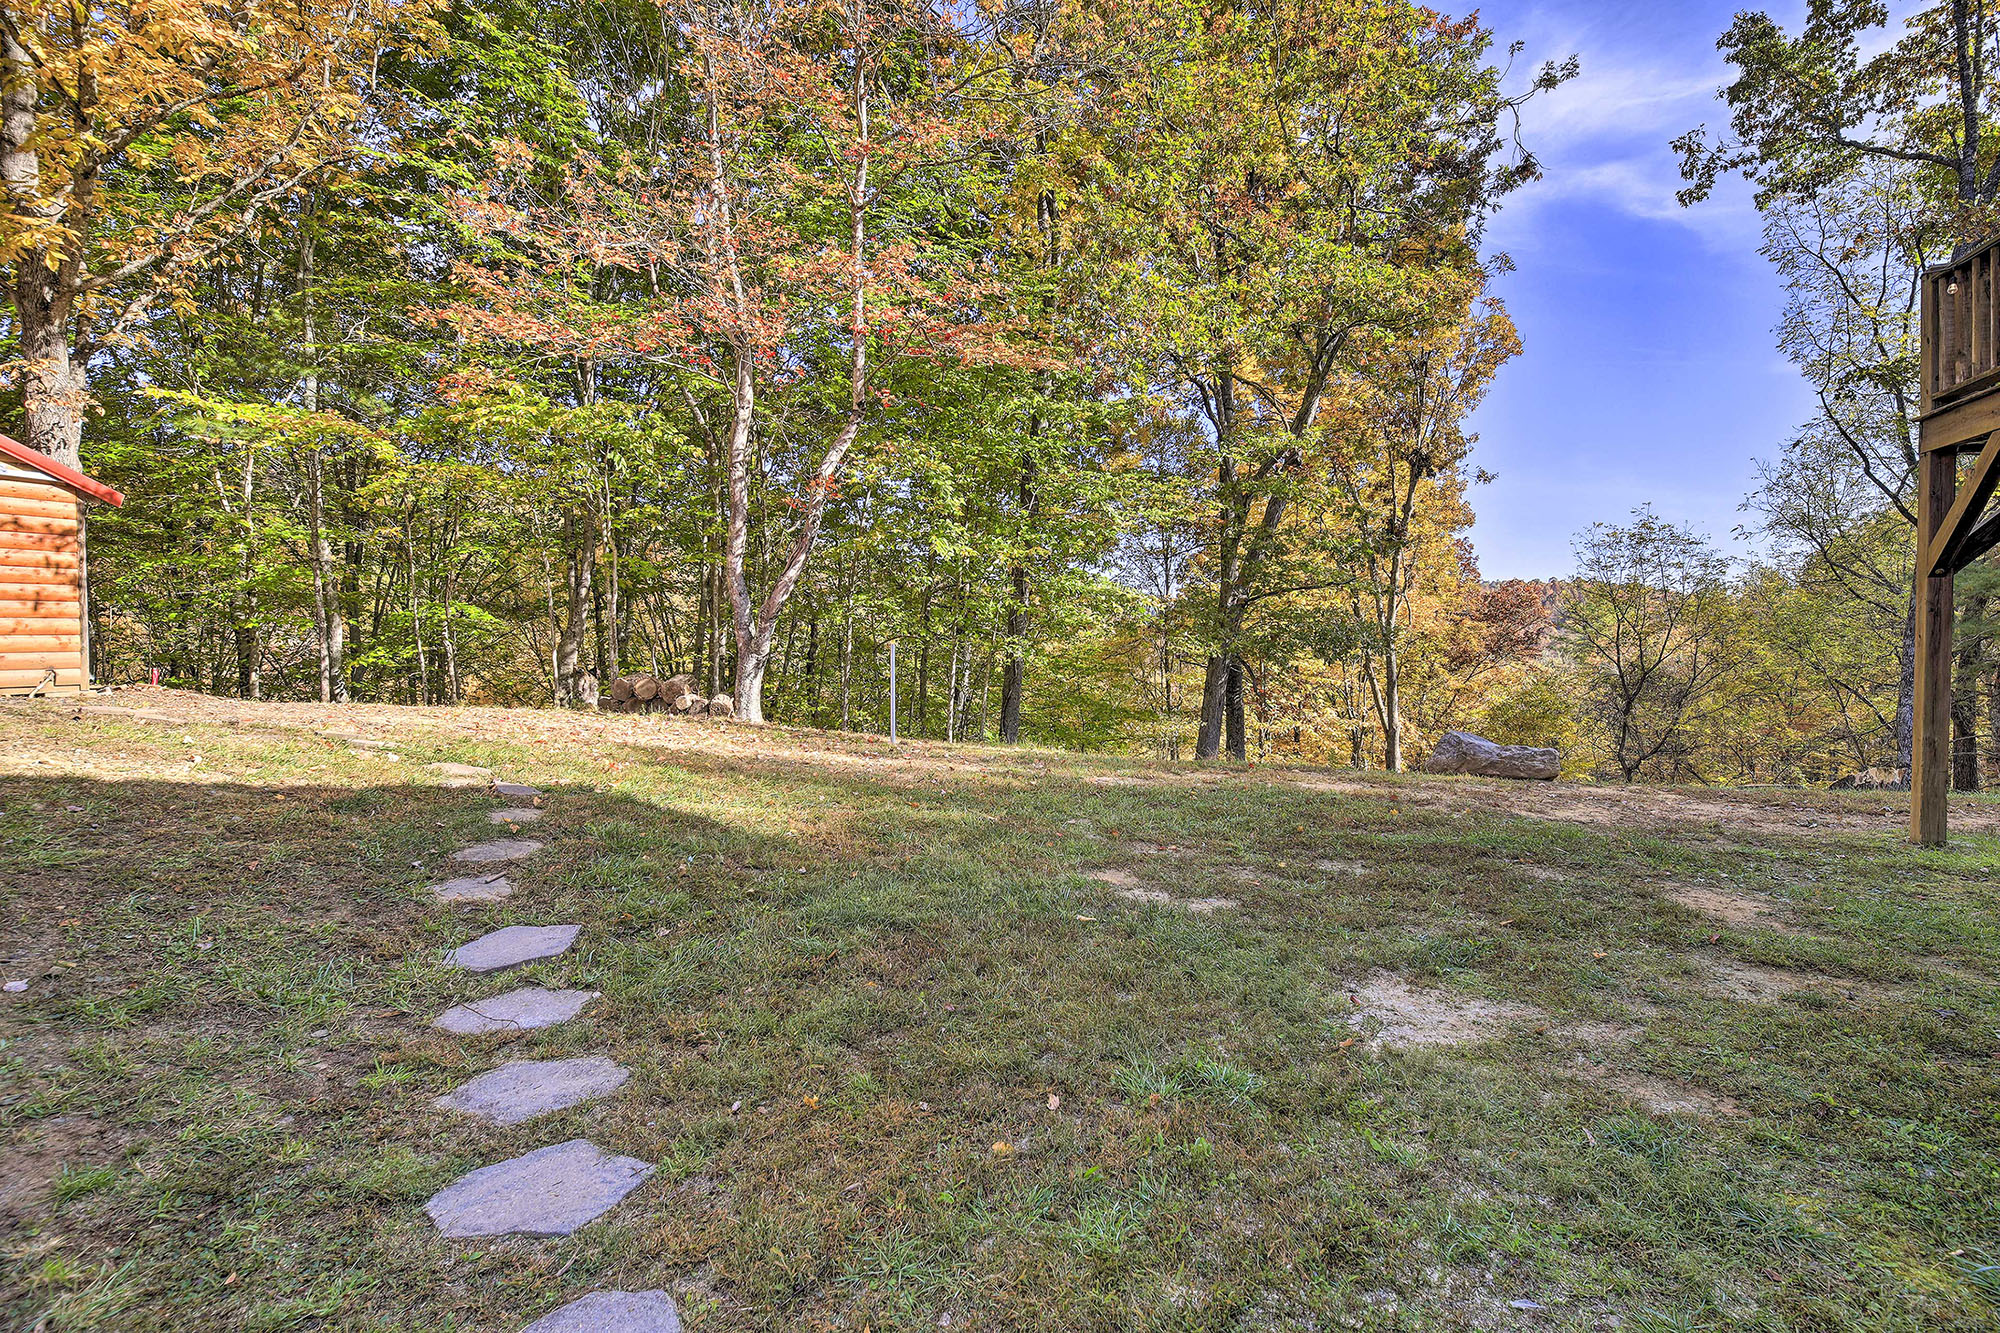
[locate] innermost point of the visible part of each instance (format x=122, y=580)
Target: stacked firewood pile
x=645, y=693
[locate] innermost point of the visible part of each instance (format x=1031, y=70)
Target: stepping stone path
x=511, y=946
x=552, y=1191
x=613, y=1312
x=520, y=1090
x=474, y=889
x=504, y=849
x=517, y=1011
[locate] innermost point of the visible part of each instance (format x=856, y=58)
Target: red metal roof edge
x=62, y=472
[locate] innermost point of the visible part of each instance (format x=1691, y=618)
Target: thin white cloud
x=1619, y=101
x=1605, y=138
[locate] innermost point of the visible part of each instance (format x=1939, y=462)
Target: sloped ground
x=946, y=1037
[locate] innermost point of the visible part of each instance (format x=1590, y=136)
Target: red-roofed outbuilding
x=44, y=636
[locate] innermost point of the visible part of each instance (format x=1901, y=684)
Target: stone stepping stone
x=520, y=1090
x=551, y=1191
x=613, y=1312
x=517, y=791
x=461, y=775
x=522, y=814
x=511, y=946
x=520, y=1010
x=474, y=889
x=505, y=849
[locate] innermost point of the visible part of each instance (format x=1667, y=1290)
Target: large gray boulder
x=1475, y=756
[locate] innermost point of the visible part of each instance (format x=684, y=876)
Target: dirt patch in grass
x=1736, y=909
x=1601, y=1036
x=1402, y=1017
x=1761, y=983
x=1660, y=1096
x=1133, y=889
x=1142, y=894
x=34, y=1161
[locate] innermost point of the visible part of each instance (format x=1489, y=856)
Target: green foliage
x=1538, y=710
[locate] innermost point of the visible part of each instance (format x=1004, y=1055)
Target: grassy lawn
x=1312, y=1054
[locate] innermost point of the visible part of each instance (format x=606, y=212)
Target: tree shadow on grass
x=222, y=1026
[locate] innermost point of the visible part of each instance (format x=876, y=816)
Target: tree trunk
x=951, y=694
x=601, y=645
x=809, y=675
x=53, y=390
x=1014, y=679
x=1993, y=720
x=924, y=678
x=423, y=690
x=1392, y=708
x=1965, y=699
x=754, y=632
x=450, y=640
x=1233, y=698
x=1214, y=699
x=1906, y=691
x=249, y=678
x=327, y=616
x=54, y=382
x=580, y=537
x=614, y=622
x=847, y=657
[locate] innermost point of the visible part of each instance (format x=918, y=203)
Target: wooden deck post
x=1930, y=756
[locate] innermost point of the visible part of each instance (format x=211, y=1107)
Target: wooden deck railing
x=1962, y=349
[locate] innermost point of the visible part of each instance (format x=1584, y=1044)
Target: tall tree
x=1805, y=110
x=1852, y=256
x=1647, y=617
x=1400, y=467
x=136, y=143
x=1281, y=181
x=827, y=141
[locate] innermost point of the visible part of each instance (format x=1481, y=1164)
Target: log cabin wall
x=41, y=584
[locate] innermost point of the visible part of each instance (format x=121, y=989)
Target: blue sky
x=1651, y=373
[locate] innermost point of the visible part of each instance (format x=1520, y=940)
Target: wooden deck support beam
x=1930, y=755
